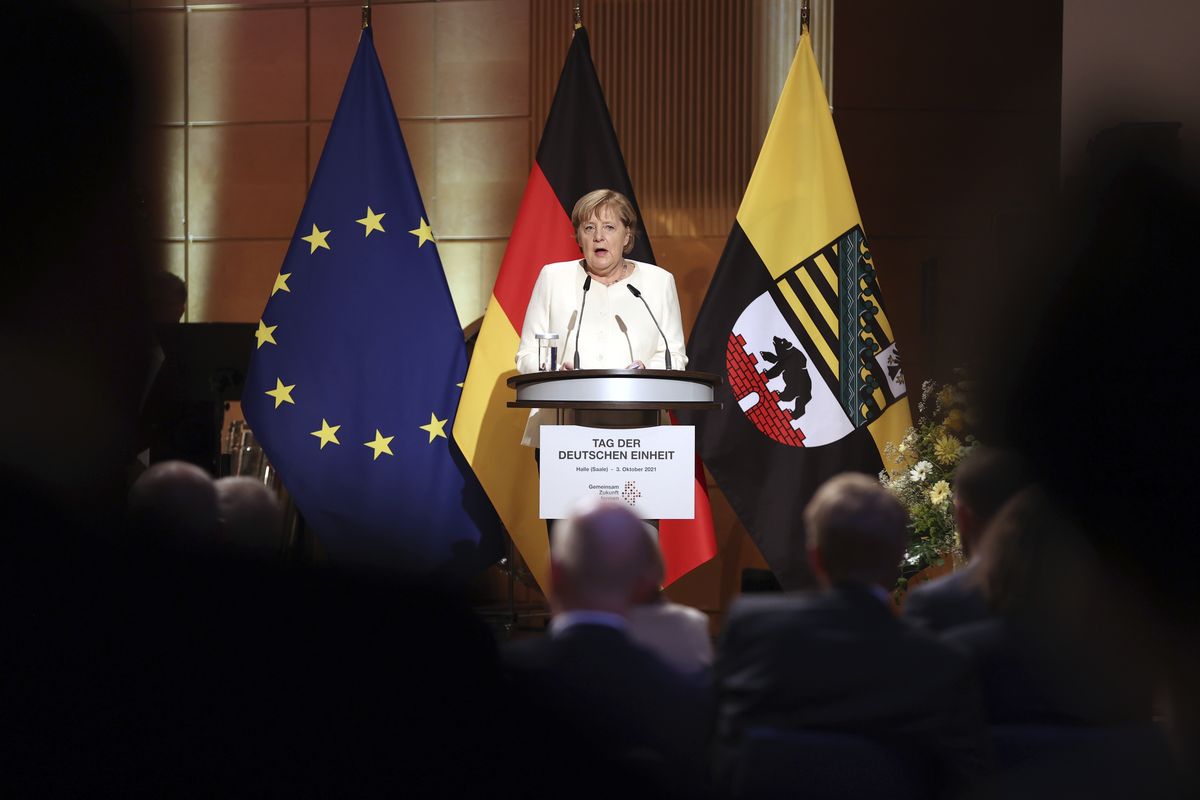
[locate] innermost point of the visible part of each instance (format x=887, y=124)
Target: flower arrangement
x=921, y=474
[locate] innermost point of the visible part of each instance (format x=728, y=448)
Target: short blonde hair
x=858, y=529
x=619, y=204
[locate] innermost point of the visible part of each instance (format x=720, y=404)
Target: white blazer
x=615, y=329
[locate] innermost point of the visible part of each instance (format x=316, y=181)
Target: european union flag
x=360, y=358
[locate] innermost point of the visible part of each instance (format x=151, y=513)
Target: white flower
x=939, y=495
x=913, y=559
x=920, y=472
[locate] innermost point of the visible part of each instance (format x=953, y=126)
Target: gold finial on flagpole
x=578, y=14
x=804, y=15
x=366, y=18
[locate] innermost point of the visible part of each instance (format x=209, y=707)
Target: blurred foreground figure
x=128, y=670
x=621, y=720
x=676, y=633
x=1040, y=659
x=839, y=661
x=74, y=322
x=1090, y=394
x=983, y=483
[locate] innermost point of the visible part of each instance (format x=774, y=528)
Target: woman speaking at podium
x=606, y=309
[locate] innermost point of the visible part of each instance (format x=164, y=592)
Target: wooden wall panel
x=680, y=83
x=948, y=114
x=246, y=66
x=245, y=181
x=241, y=94
x=229, y=278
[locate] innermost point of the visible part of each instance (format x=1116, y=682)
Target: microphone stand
x=587, y=284
x=666, y=345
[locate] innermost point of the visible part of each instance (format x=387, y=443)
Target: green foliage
x=921, y=473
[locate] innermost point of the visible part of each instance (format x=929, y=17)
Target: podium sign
x=652, y=470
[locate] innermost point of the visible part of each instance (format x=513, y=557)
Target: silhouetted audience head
x=174, y=503
x=250, y=517
x=856, y=532
x=168, y=296
x=985, y=480
x=1036, y=563
x=1062, y=646
x=599, y=559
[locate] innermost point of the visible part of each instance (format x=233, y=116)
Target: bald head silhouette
x=174, y=503
x=599, y=559
x=250, y=517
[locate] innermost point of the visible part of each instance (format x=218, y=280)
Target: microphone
x=633, y=290
x=587, y=284
x=624, y=329
x=570, y=328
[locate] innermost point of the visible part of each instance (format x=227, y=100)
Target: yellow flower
x=946, y=449
x=954, y=420
x=939, y=495
x=946, y=396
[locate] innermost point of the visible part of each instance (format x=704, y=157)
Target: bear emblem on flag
x=814, y=358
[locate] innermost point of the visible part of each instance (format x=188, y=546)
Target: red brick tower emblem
x=745, y=380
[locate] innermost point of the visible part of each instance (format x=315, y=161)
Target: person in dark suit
x=616, y=712
x=838, y=660
x=984, y=481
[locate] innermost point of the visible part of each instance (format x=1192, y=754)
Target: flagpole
x=366, y=14
x=578, y=14
x=804, y=14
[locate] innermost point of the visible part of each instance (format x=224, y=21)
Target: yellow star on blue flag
x=435, y=428
x=423, y=232
x=396, y=500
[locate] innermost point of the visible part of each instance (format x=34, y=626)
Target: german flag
x=795, y=321
x=578, y=153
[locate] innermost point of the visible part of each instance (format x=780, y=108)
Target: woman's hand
x=566, y=365
x=636, y=365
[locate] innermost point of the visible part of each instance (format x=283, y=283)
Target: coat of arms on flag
x=814, y=358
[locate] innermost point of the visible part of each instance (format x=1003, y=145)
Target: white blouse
x=615, y=329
